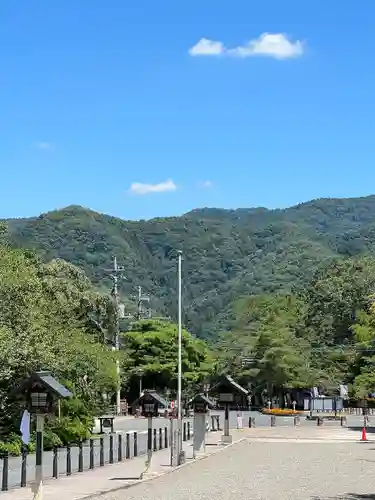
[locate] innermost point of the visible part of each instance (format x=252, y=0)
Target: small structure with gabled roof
x=40, y=391
x=230, y=392
x=151, y=402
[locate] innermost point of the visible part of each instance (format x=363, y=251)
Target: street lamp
x=40, y=391
x=150, y=402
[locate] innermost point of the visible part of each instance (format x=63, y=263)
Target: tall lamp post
x=179, y=379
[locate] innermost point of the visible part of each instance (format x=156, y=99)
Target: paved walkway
x=111, y=477
x=315, y=463
x=268, y=471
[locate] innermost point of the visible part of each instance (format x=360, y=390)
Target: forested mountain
x=227, y=253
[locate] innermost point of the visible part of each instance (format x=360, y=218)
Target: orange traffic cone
x=364, y=434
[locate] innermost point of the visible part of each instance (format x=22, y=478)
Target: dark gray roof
x=227, y=380
x=46, y=379
x=162, y=402
x=235, y=385
x=53, y=384
x=202, y=398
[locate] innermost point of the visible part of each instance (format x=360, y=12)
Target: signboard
x=226, y=397
x=107, y=422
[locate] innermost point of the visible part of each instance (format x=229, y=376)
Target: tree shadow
x=135, y=478
x=348, y=496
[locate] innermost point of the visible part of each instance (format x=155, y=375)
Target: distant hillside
x=227, y=253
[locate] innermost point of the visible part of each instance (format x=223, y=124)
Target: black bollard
x=101, y=458
x=111, y=449
x=119, y=448
x=212, y=423
x=155, y=448
x=92, y=462
x=273, y=421
x=23, y=466
x=68, y=461
x=343, y=421
x=166, y=437
x=135, y=454
x=55, y=461
x=319, y=421
x=188, y=431
x=127, y=445
x=160, y=438
x=184, y=432
x=4, y=485
x=80, y=456
x=149, y=440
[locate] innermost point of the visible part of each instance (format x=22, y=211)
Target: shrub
x=70, y=430
x=280, y=411
x=11, y=448
x=14, y=445
x=50, y=440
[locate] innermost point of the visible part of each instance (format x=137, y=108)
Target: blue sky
x=275, y=106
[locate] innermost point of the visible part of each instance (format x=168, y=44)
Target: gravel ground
x=265, y=471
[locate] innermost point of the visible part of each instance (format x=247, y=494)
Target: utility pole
x=179, y=380
x=141, y=300
x=116, y=271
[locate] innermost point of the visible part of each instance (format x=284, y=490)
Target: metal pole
x=179, y=382
x=117, y=340
x=139, y=302
x=37, y=488
x=174, y=460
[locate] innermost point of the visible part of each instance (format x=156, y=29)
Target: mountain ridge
x=249, y=210
x=227, y=253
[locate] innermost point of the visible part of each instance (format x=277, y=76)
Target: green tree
x=150, y=349
x=363, y=358
x=263, y=349
x=44, y=311
x=334, y=296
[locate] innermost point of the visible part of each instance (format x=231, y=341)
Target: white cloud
x=207, y=47
x=276, y=45
x=162, y=187
x=206, y=184
x=43, y=146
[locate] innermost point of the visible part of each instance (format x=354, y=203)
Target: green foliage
x=51, y=439
x=263, y=349
x=364, y=359
x=12, y=448
x=46, y=313
x=287, y=289
x=227, y=253
x=335, y=295
x=325, y=336
x=151, y=352
x=69, y=430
